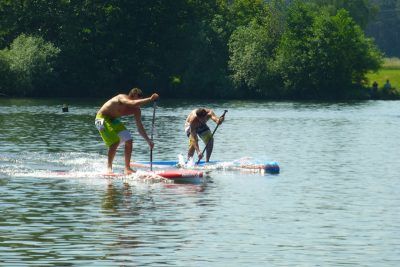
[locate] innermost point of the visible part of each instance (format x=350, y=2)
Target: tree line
x=385, y=26
x=183, y=48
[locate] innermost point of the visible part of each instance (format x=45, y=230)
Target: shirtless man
x=195, y=125
x=114, y=132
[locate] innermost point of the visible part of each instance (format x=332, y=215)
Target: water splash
x=145, y=177
x=244, y=164
x=181, y=160
x=85, y=166
x=190, y=163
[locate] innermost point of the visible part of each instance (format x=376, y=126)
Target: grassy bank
x=389, y=71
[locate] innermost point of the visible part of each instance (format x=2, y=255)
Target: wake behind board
x=269, y=166
x=176, y=175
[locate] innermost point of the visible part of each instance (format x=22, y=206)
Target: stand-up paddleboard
x=179, y=175
x=176, y=175
x=269, y=167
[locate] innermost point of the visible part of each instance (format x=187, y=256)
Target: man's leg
x=128, y=154
x=208, y=139
x=209, y=149
x=191, y=151
x=111, y=154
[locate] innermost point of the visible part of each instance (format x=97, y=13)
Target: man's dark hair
x=135, y=91
x=201, y=112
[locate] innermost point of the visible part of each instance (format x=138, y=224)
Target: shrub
x=327, y=57
x=30, y=61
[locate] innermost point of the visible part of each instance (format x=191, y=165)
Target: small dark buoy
x=65, y=108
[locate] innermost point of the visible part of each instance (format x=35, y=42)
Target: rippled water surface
x=336, y=201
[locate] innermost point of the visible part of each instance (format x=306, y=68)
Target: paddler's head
x=201, y=113
x=135, y=93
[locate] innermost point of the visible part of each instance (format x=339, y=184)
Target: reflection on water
x=334, y=203
x=114, y=197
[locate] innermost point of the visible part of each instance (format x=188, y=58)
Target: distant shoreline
x=390, y=71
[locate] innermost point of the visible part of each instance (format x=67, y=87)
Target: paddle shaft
x=151, y=135
x=212, y=135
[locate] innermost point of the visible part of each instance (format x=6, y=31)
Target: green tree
x=327, y=57
x=30, y=60
x=362, y=11
x=291, y=54
x=6, y=76
x=385, y=27
x=252, y=50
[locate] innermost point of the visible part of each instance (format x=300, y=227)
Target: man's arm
x=137, y=102
x=142, y=131
x=214, y=117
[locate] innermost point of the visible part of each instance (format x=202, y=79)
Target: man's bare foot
x=129, y=171
x=109, y=171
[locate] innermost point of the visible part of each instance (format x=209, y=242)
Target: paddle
x=151, y=136
x=212, y=135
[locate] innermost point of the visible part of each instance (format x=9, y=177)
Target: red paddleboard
x=180, y=175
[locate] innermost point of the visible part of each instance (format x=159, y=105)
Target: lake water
x=336, y=201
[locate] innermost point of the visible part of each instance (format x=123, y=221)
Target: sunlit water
x=336, y=201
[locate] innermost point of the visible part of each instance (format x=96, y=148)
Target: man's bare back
x=194, y=122
x=117, y=107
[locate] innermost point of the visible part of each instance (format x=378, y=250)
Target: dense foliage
x=186, y=48
x=28, y=65
x=385, y=27
x=323, y=56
